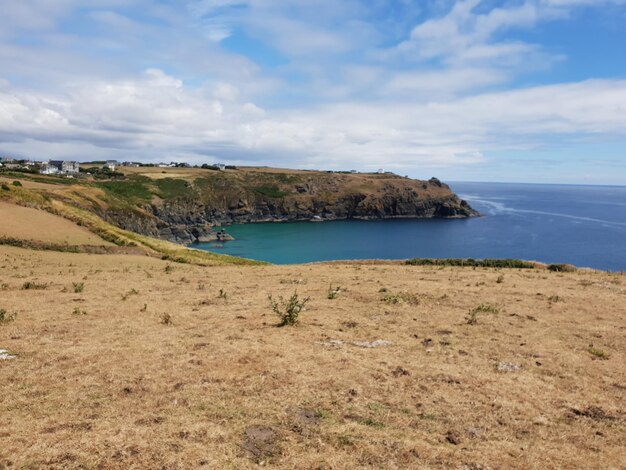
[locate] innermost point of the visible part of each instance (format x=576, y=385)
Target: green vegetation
x=333, y=292
x=472, y=316
x=391, y=298
x=597, y=353
x=30, y=285
x=561, y=268
x=288, y=311
x=78, y=287
x=270, y=190
x=170, y=188
x=4, y=187
x=17, y=183
x=478, y=263
x=131, y=190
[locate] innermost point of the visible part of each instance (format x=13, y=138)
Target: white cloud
x=151, y=80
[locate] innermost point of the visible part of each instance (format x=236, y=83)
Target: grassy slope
x=222, y=387
x=55, y=203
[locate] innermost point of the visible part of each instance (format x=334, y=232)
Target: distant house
x=62, y=167
x=111, y=165
x=220, y=166
x=380, y=171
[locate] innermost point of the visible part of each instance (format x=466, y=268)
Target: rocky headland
x=215, y=199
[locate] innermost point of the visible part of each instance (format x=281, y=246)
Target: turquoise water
x=582, y=225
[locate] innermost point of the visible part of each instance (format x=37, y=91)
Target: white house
x=111, y=164
x=220, y=166
x=53, y=167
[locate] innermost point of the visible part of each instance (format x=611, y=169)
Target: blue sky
x=524, y=90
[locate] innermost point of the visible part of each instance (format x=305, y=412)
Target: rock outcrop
x=263, y=196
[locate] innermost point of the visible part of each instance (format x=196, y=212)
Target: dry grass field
x=32, y=224
x=121, y=361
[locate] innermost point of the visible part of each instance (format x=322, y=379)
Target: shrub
x=597, y=353
x=288, y=311
x=562, y=268
x=500, y=279
x=393, y=299
x=472, y=317
x=480, y=263
x=30, y=285
x=17, y=184
x=4, y=187
x=222, y=294
x=78, y=287
x=333, y=292
x=166, y=319
x=78, y=311
x=7, y=317
x=129, y=293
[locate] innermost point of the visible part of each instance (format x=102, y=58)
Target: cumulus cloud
x=154, y=82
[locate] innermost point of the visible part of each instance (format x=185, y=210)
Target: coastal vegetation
x=474, y=263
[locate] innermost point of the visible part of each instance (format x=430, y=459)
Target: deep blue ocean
x=582, y=225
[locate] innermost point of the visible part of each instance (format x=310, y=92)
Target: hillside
x=125, y=361
x=184, y=204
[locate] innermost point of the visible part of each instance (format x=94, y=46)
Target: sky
x=469, y=90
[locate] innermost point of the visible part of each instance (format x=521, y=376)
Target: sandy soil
x=102, y=379
x=32, y=224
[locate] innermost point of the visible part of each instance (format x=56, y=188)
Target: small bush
x=393, y=299
x=166, y=319
x=168, y=269
x=222, y=294
x=78, y=311
x=129, y=293
x=561, y=268
x=597, y=353
x=333, y=292
x=472, y=317
x=288, y=311
x=4, y=187
x=6, y=317
x=17, y=184
x=30, y=285
x=500, y=279
x=78, y=287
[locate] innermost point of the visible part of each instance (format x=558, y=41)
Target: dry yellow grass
x=222, y=387
x=32, y=224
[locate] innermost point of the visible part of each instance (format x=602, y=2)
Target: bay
x=582, y=225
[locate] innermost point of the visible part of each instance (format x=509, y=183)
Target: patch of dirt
x=260, y=443
x=593, y=412
x=307, y=416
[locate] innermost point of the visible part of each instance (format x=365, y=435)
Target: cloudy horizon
x=525, y=90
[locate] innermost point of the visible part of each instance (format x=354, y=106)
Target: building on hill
x=111, y=164
x=62, y=167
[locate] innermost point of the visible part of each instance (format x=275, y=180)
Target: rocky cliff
x=209, y=199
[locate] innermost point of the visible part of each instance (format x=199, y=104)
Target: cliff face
x=260, y=196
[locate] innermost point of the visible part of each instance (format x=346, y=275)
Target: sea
x=581, y=225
